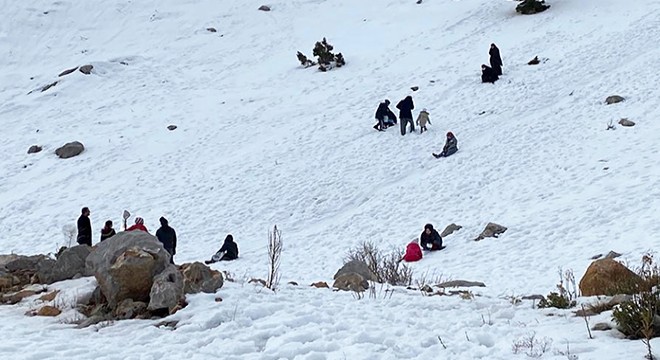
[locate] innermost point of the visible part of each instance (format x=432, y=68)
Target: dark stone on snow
x=34, y=149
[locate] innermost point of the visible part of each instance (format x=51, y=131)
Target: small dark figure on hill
x=495, y=59
x=84, y=228
x=451, y=146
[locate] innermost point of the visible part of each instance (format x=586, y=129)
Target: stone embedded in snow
x=171, y=127
x=49, y=311
x=264, y=8
x=491, y=230
x=70, y=150
x=67, y=71
x=450, y=229
x=534, y=61
x=46, y=87
x=357, y=267
x=34, y=149
x=613, y=99
x=608, y=277
x=320, y=285
x=461, y=283
x=211, y=29
x=626, y=122
x=86, y=69
x=351, y=282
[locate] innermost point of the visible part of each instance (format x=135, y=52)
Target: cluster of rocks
x=615, y=99
x=133, y=271
x=65, y=151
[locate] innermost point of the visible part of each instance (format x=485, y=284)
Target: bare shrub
x=70, y=233
x=387, y=267
x=566, y=294
x=274, y=257
x=531, y=346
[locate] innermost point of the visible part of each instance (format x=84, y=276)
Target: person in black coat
x=228, y=251
x=107, y=232
x=406, y=107
x=167, y=236
x=385, y=116
x=430, y=239
x=451, y=146
x=488, y=75
x=495, y=59
x=84, y=228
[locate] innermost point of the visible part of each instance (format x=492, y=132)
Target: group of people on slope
x=386, y=118
x=429, y=240
x=166, y=235
x=490, y=74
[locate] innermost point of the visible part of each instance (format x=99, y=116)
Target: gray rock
x=618, y=299
x=198, y=277
x=264, y=8
x=86, y=69
x=211, y=29
x=613, y=99
x=125, y=265
x=69, y=264
x=26, y=263
x=7, y=258
x=171, y=127
x=67, y=71
x=357, y=267
x=461, y=283
x=612, y=255
x=601, y=327
x=351, y=282
x=46, y=87
x=129, y=309
x=491, y=230
x=167, y=290
x=34, y=149
x=450, y=229
x=626, y=122
x=533, y=297
x=92, y=320
x=70, y=150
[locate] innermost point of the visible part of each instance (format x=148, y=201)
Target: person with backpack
x=167, y=236
x=422, y=120
x=406, y=107
x=451, y=146
x=84, y=228
x=385, y=116
x=495, y=59
x=107, y=232
x=139, y=225
x=430, y=239
x=228, y=251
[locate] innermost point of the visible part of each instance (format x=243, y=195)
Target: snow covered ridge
x=261, y=141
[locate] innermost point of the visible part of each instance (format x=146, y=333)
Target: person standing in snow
x=107, y=232
x=228, y=251
x=495, y=59
x=488, y=75
x=167, y=236
x=451, y=146
x=430, y=239
x=405, y=107
x=413, y=252
x=84, y=228
x=139, y=225
x=385, y=116
x=422, y=119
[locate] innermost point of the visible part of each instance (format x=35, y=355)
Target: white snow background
x=261, y=141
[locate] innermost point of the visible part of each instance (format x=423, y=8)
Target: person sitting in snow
x=430, y=239
x=413, y=252
x=228, y=251
x=422, y=119
x=385, y=116
x=451, y=146
x=139, y=225
x=488, y=75
x=107, y=232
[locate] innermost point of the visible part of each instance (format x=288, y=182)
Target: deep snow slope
x=261, y=141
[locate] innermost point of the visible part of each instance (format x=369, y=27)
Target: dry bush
x=531, y=346
x=274, y=257
x=566, y=294
x=388, y=268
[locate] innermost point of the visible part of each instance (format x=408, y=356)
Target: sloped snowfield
x=261, y=141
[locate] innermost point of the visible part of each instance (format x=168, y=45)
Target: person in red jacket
x=413, y=252
x=139, y=225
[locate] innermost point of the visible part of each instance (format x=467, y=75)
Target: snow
x=261, y=141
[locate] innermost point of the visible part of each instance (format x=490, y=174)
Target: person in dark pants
x=385, y=116
x=228, y=251
x=495, y=59
x=451, y=146
x=107, y=232
x=167, y=236
x=488, y=75
x=430, y=239
x=405, y=107
x=84, y=228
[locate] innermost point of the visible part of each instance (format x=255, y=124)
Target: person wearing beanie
x=167, y=236
x=430, y=239
x=228, y=251
x=451, y=146
x=422, y=120
x=139, y=225
x=107, y=232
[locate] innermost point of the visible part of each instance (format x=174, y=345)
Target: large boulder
x=129, y=309
x=69, y=264
x=28, y=269
x=70, y=150
x=356, y=267
x=198, y=277
x=125, y=265
x=609, y=277
x=491, y=230
x=167, y=290
x=351, y=282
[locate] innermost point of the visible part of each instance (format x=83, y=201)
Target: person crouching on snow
x=430, y=239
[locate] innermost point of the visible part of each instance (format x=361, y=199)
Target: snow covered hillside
x=261, y=141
